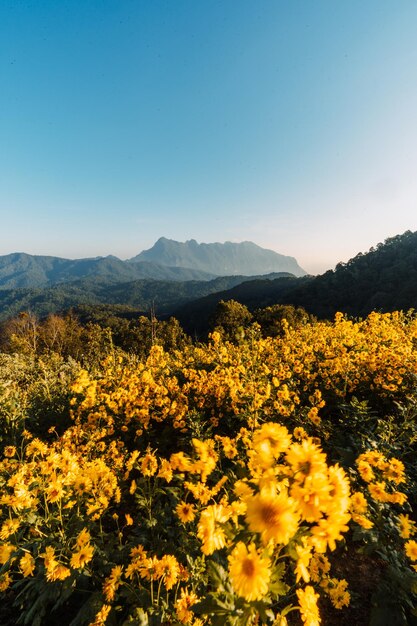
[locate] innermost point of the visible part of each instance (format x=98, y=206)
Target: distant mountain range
x=222, y=259
x=167, y=260
x=383, y=279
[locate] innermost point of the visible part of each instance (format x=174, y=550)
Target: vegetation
x=264, y=477
x=384, y=279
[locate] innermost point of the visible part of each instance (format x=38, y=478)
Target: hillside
x=162, y=296
x=383, y=279
x=26, y=271
x=223, y=259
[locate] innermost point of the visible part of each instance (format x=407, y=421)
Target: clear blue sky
x=291, y=123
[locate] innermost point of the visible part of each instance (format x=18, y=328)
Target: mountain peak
x=221, y=259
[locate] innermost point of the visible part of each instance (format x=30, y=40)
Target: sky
x=289, y=123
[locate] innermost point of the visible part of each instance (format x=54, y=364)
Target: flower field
x=267, y=481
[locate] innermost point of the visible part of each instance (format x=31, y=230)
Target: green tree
x=231, y=319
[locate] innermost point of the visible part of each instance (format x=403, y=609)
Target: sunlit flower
x=210, y=531
x=306, y=459
x=82, y=556
x=9, y=451
x=101, y=616
x=249, y=572
x=112, y=583
x=338, y=593
x=406, y=526
x=165, y=471
x=273, y=516
x=185, y=511
x=149, y=464
x=9, y=527
x=5, y=581
x=269, y=442
x=169, y=570
x=6, y=550
x=308, y=606
x=411, y=550
x=27, y=564
x=183, y=605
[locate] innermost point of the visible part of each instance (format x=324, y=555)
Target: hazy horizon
x=289, y=124
x=125, y=258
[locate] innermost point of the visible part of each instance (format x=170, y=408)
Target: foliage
x=235, y=482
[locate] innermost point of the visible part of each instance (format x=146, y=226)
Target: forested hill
x=161, y=296
x=26, y=271
x=383, y=279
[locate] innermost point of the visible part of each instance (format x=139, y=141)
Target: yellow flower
x=165, y=471
x=55, y=490
x=362, y=521
x=395, y=471
x=308, y=606
x=229, y=446
x=27, y=564
x=269, y=442
x=358, y=502
x=306, y=459
x=9, y=527
x=406, y=526
x=273, y=516
x=82, y=557
x=5, y=581
x=312, y=496
x=60, y=572
x=209, y=532
x=179, y=461
x=328, y=531
x=249, y=572
x=170, y=570
x=183, y=604
x=54, y=570
x=9, y=451
x=186, y=512
x=411, y=550
x=300, y=433
x=319, y=567
x=101, y=616
x=112, y=583
x=338, y=593
x=303, y=559
x=83, y=538
x=377, y=491
x=313, y=416
x=149, y=464
x=6, y=550
x=397, y=497
x=365, y=470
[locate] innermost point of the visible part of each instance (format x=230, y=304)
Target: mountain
x=20, y=270
x=222, y=259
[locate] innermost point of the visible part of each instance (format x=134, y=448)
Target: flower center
x=248, y=568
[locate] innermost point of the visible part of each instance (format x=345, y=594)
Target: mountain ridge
x=222, y=259
x=190, y=261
